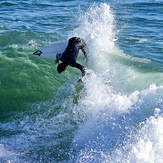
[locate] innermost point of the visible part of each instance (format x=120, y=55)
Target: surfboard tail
x=50, y=51
x=38, y=52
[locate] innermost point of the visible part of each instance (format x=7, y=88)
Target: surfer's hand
x=80, y=80
x=56, y=61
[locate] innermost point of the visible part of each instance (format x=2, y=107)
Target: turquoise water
x=115, y=115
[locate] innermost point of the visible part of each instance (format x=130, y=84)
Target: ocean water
x=115, y=115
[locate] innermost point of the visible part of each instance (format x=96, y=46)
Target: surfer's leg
x=83, y=47
x=79, y=43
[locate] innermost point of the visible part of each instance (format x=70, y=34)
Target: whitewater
x=115, y=115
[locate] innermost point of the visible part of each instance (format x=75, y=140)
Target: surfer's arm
x=56, y=61
x=77, y=65
x=58, y=56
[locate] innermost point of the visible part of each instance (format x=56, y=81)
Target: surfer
x=69, y=56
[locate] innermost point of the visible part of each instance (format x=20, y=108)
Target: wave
x=119, y=127
x=118, y=104
x=115, y=115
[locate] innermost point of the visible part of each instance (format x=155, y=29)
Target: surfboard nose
x=38, y=52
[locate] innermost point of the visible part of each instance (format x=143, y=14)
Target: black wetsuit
x=70, y=54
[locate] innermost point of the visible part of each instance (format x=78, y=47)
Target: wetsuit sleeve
x=80, y=67
x=58, y=56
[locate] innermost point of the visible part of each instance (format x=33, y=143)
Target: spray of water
x=114, y=126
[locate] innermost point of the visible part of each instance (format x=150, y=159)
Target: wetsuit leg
x=80, y=67
x=80, y=43
x=84, y=48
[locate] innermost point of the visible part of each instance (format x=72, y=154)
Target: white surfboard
x=50, y=51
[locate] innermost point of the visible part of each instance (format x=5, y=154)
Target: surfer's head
x=61, y=67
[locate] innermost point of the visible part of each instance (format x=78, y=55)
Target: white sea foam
x=8, y=156
x=142, y=40
x=118, y=126
x=97, y=29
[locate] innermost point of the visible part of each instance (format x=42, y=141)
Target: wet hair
x=61, y=67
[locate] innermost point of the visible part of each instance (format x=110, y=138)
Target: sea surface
x=115, y=115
